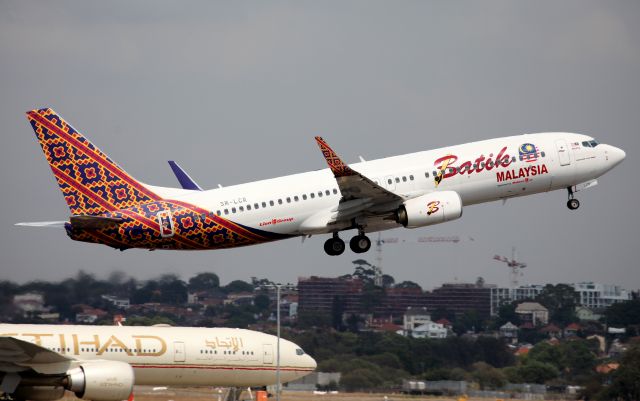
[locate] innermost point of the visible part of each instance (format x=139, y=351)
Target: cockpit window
x=590, y=144
x=593, y=143
x=299, y=351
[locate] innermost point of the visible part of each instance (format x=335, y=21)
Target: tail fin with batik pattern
x=91, y=183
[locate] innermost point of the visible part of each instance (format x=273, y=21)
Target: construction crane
x=514, y=267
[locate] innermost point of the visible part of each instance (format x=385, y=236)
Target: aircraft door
x=179, y=353
x=563, y=152
x=165, y=224
x=267, y=353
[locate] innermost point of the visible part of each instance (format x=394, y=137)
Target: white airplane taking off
x=110, y=207
x=102, y=363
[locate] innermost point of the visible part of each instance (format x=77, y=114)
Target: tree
x=487, y=376
x=237, y=286
x=625, y=383
x=537, y=372
x=261, y=302
x=624, y=313
x=408, y=284
x=204, y=282
x=561, y=300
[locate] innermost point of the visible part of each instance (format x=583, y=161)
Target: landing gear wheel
x=573, y=204
x=360, y=243
x=334, y=246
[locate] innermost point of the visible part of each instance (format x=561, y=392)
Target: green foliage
x=262, y=302
x=487, y=376
x=408, y=284
x=536, y=372
x=624, y=314
x=361, y=379
x=561, y=300
x=149, y=321
x=625, y=384
x=237, y=286
x=573, y=358
x=204, y=282
x=446, y=374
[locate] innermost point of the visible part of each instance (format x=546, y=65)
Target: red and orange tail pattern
x=337, y=166
x=90, y=182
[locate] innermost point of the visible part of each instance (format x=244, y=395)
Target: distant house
x=552, y=331
x=587, y=314
x=415, y=317
x=572, y=330
x=429, y=330
x=30, y=303
x=509, y=331
x=87, y=314
x=533, y=312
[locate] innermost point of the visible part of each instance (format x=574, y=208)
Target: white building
x=429, y=330
x=533, y=312
x=415, y=317
x=504, y=296
x=600, y=296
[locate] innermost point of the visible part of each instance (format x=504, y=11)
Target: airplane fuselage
x=174, y=356
x=286, y=206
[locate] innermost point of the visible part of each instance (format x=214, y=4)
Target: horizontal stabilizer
x=53, y=224
x=94, y=222
x=182, y=176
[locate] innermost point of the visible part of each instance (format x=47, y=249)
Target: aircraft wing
x=352, y=184
x=17, y=355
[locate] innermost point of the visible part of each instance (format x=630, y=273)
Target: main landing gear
x=359, y=244
x=572, y=203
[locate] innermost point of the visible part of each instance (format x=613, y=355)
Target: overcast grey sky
x=235, y=91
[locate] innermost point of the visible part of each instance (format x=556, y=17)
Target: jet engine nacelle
x=432, y=208
x=102, y=380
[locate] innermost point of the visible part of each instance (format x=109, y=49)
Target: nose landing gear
x=572, y=203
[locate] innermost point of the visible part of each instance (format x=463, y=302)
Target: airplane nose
x=311, y=363
x=616, y=155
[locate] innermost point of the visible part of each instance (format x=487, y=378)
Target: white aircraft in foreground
x=110, y=207
x=102, y=363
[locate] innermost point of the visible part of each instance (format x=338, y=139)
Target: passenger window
x=242, y=208
x=327, y=192
x=389, y=181
x=226, y=211
x=295, y=198
x=304, y=196
x=271, y=203
x=312, y=195
x=335, y=191
x=288, y=199
x=411, y=177
x=542, y=154
x=248, y=207
x=404, y=178
x=319, y=194
x=264, y=204
x=256, y=206
x=218, y=212
x=397, y=180
x=279, y=201
x=233, y=210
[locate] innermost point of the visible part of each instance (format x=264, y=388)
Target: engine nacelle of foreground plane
x=432, y=208
x=38, y=393
x=102, y=381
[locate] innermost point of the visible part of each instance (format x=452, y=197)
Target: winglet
x=337, y=166
x=182, y=176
